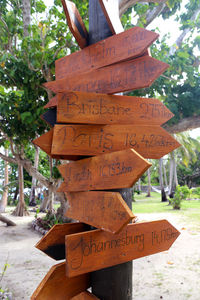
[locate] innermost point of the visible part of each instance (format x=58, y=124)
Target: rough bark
x=7, y=221
x=26, y=8
x=4, y=199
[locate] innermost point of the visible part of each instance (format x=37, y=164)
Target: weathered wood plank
x=53, y=243
x=103, y=210
x=85, y=296
x=149, y=141
x=52, y=102
x=119, y=169
x=75, y=23
x=125, y=76
x=45, y=143
x=111, y=12
x=56, y=286
x=97, y=249
x=91, y=108
x=126, y=45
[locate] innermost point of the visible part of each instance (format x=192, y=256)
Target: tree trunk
x=7, y=221
x=139, y=185
x=173, y=180
x=4, y=199
x=21, y=206
x=163, y=195
x=32, y=201
x=149, y=183
x=26, y=8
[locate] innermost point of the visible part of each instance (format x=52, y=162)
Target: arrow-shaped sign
x=149, y=141
x=103, y=210
x=124, y=46
x=55, y=285
x=52, y=103
x=125, y=76
x=97, y=249
x=91, y=108
x=75, y=23
x=111, y=12
x=52, y=243
x=85, y=296
x=108, y=171
x=45, y=143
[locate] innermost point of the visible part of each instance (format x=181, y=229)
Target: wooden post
x=114, y=283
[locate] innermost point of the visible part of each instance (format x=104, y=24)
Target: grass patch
x=190, y=209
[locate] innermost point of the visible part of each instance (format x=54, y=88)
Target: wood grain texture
x=45, y=143
x=92, y=108
x=103, y=210
x=52, y=102
x=127, y=45
x=149, y=141
x=125, y=76
x=119, y=169
x=97, y=249
x=75, y=23
x=56, y=286
x=111, y=11
x=53, y=243
x=85, y=296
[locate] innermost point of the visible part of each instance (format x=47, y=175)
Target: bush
x=181, y=193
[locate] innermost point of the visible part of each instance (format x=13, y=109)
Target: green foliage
x=181, y=193
x=49, y=220
x=196, y=191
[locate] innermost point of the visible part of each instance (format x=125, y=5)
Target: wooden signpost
x=125, y=76
x=92, y=122
x=85, y=296
x=97, y=249
x=98, y=209
x=111, y=12
x=119, y=169
x=56, y=286
x=75, y=23
x=45, y=143
x=124, y=46
x=91, y=108
x=148, y=141
x=52, y=243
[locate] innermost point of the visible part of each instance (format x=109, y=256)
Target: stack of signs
x=107, y=138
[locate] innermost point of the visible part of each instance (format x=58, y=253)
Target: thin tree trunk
x=21, y=206
x=173, y=181
x=51, y=194
x=139, y=185
x=163, y=195
x=4, y=199
x=149, y=183
x=32, y=201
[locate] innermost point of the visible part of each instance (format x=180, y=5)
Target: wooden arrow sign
x=56, y=286
x=103, y=210
x=97, y=249
x=45, y=143
x=52, y=243
x=148, y=141
x=52, y=103
x=85, y=296
x=91, y=108
x=121, y=77
x=75, y=23
x=109, y=171
x=111, y=12
x=124, y=46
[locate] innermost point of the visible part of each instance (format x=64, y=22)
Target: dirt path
x=171, y=275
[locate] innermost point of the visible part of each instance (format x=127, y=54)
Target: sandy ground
x=170, y=275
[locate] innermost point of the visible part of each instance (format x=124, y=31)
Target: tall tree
x=4, y=198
